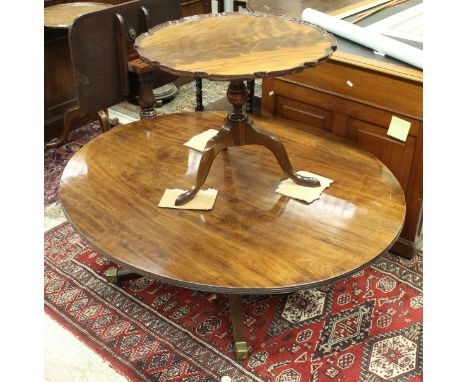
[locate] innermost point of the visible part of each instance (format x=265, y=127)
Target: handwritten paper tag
x=399, y=128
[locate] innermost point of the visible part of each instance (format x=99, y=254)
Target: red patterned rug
x=55, y=160
x=367, y=327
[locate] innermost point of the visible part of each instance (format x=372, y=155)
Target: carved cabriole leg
x=239, y=130
x=145, y=95
x=272, y=142
x=199, y=94
x=216, y=144
x=69, y=116
x=103, y=119
x=240, y=344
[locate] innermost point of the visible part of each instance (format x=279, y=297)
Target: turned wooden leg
x=145, y=95
x=71, y=114
x=199, y=94
x=116, y=276
x=250, y=96
x=240, y=344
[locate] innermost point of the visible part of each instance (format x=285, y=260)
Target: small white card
x=199, y=141
x=289, y=188
x=204, y=200
x=399, y=128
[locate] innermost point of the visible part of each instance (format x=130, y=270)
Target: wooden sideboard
x=356, y=97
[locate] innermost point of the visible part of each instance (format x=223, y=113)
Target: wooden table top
x=235, y=46
x=253, y=240
x=63, y=15
x=294, y=8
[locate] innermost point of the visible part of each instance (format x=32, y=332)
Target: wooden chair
x=106, y=68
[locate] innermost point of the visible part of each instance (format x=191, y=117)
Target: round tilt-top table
x=236, y=47
x=63, y=15
x=254, y=240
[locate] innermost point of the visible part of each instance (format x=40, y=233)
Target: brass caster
x=241, y=350
x=111, y=275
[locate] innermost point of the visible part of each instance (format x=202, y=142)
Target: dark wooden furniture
x=59, y=90
x=106, y=68
x=354, y=95
x=254, y=241
x=236, y=47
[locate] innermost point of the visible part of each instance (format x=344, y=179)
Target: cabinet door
x=397, y=156
x=305, y=113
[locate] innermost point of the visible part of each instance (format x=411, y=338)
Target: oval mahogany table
x=63, y=15
x=253, y=241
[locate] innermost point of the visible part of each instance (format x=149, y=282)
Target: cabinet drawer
x=301, y=112
x=396, y=155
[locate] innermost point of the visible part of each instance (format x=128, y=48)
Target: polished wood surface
x=361, y=113
x=63, y=15
x=294, y=8
x=235, y=46
x=253, y=240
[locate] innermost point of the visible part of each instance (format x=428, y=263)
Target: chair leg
x=145, y=95
x=103, y=119
x=199, y=94
x=71, y=114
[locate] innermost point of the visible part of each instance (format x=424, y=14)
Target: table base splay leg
x=117, y=276
x=239, y=130
x=240, y=344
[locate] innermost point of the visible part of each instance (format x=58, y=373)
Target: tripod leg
x=216, y=144
x=258, y=136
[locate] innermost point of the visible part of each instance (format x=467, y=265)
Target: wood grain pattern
x=254, y=240
x=235, y=46
x=362, y=114
x=63, y=15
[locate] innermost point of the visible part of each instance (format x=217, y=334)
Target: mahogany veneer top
x=63, y=15
x=235, y=46
x=253, y=240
